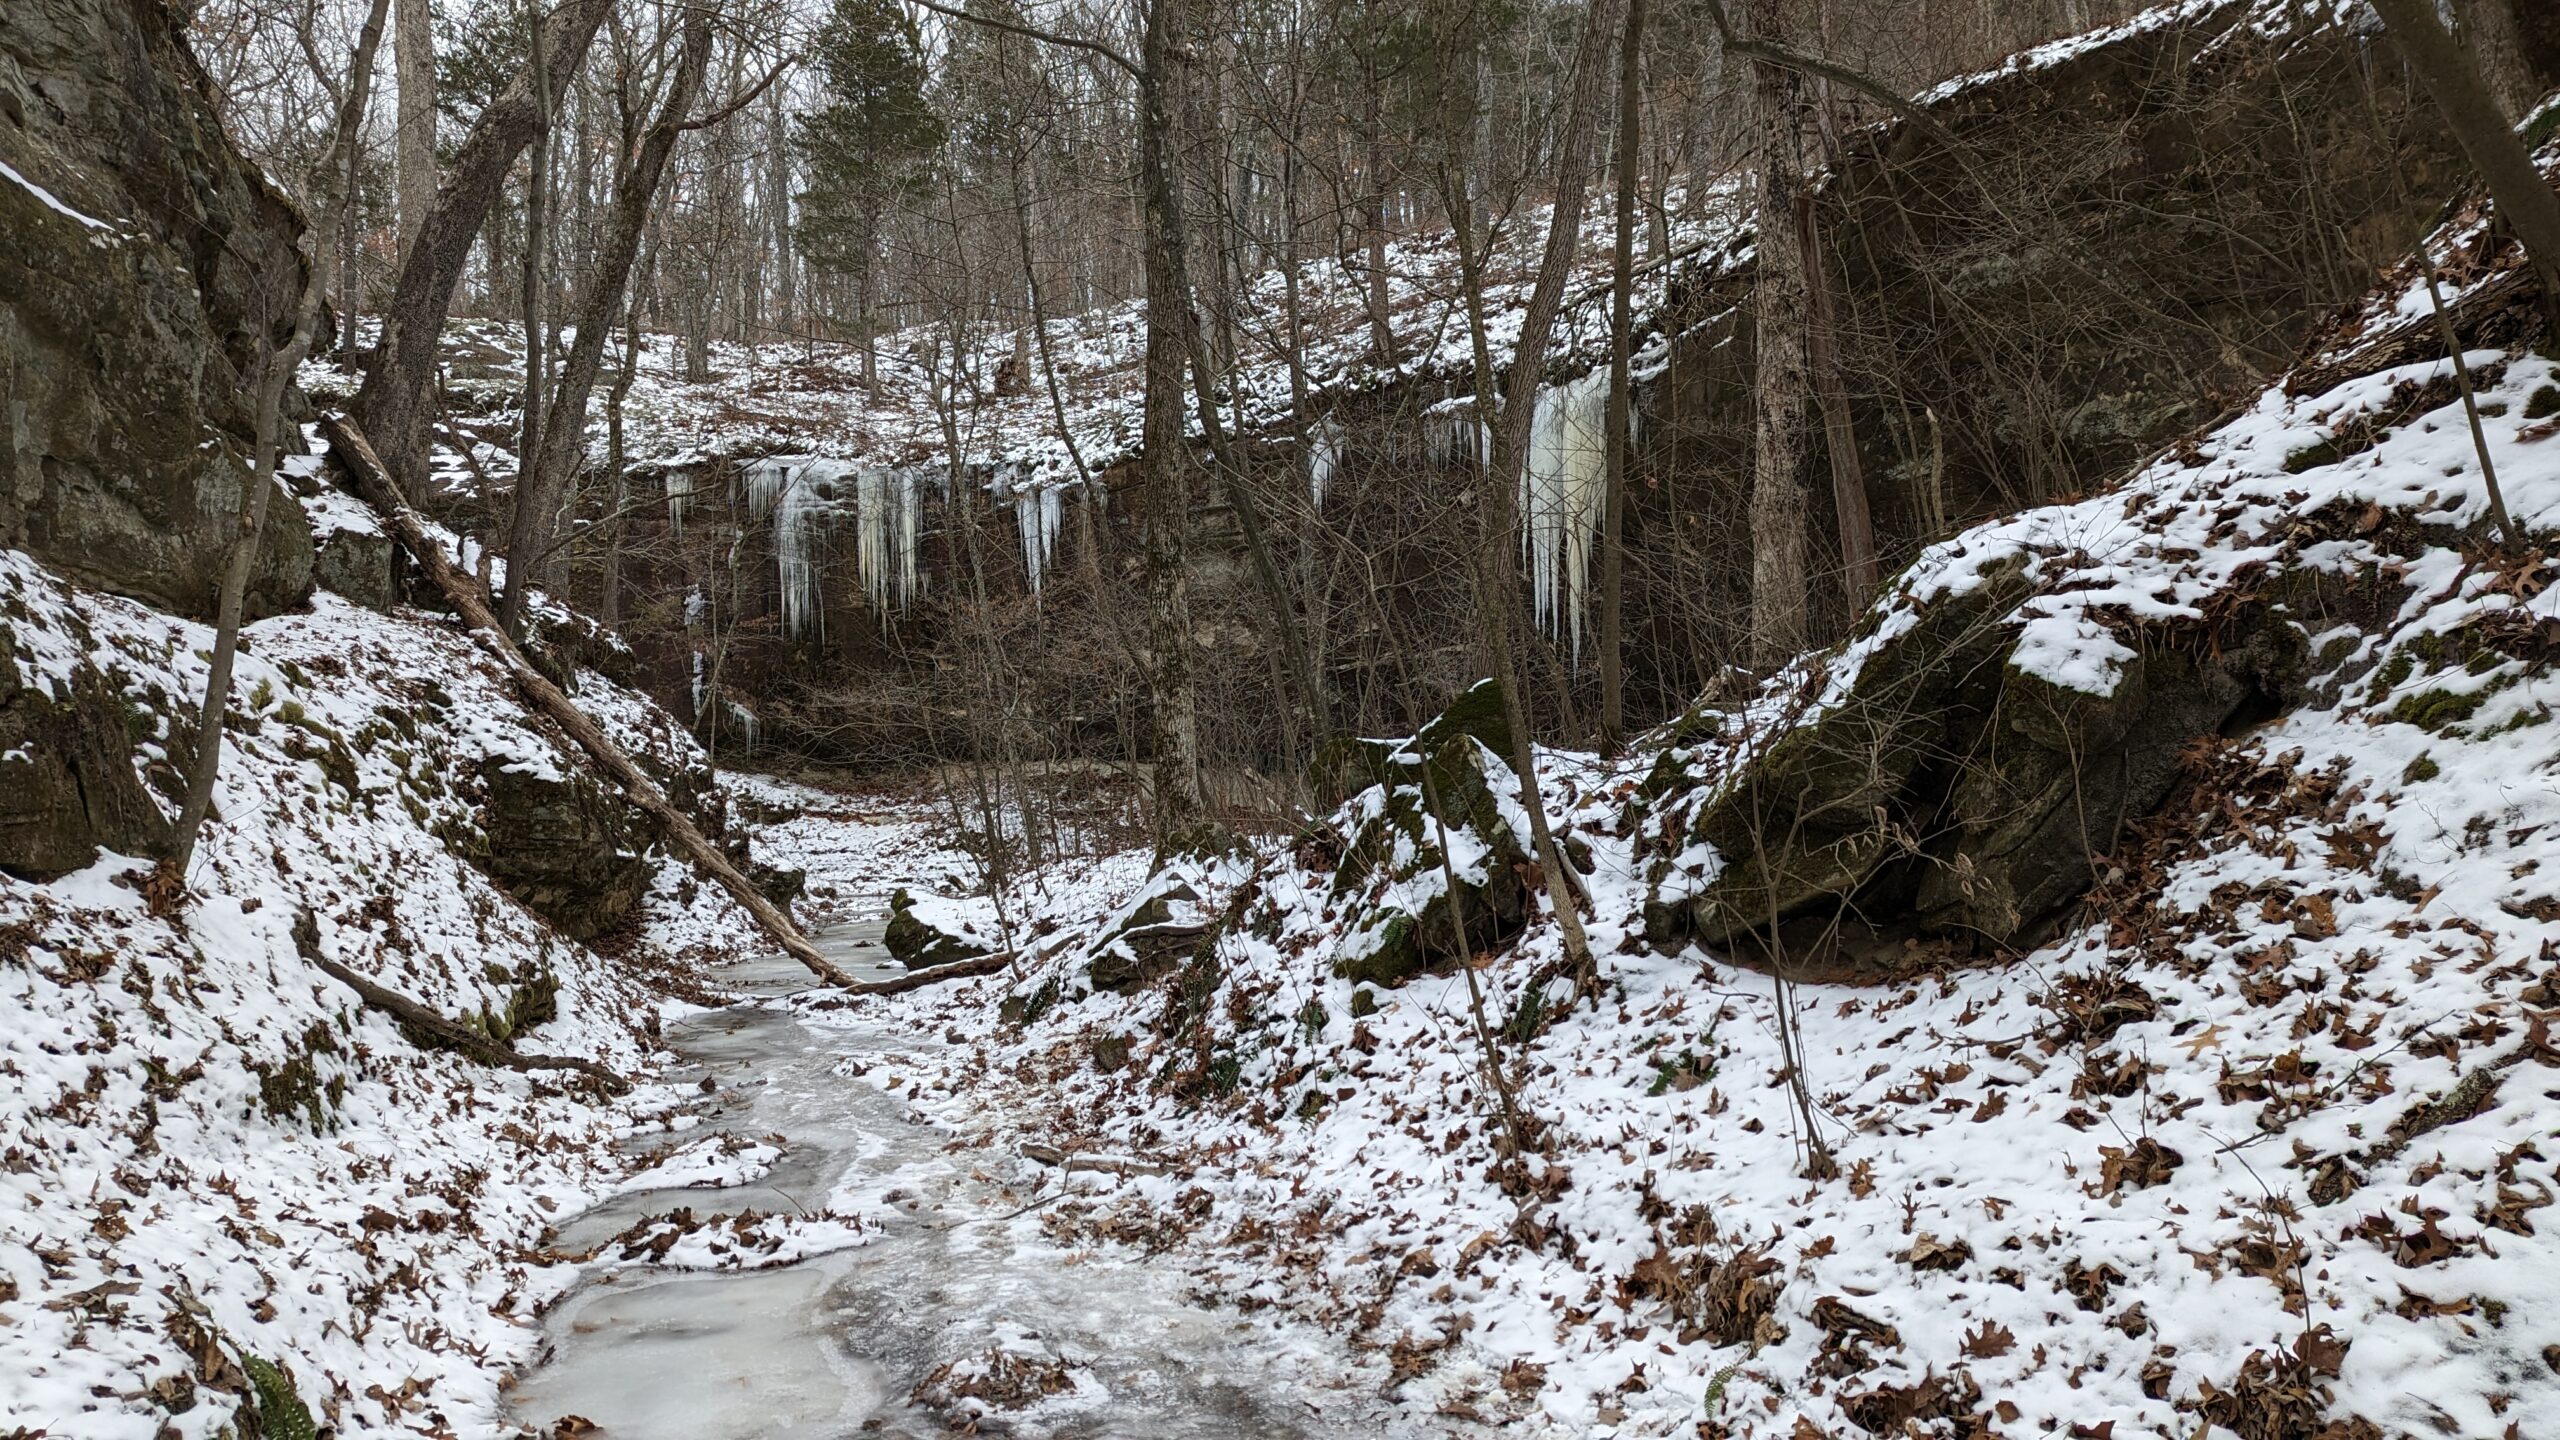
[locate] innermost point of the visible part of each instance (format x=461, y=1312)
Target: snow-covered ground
x=2261, y=1145
x=213, y=1158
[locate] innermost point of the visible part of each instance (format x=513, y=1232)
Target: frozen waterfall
x=803, y=496
x=1563, y=497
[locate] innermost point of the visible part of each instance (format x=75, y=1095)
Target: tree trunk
x=348, y=445
x=1180, y=802
x=1373, y=177
x=2525, y=200
x=524, y=560
x=1497, y=582
x=543, y=485
x=414, y=54
x=397, y=400
x=786, y=297
x=1778, y=629
x=1839, y=432
x=213, y=714
x=1622, y=277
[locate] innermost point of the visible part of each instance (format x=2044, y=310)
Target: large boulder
x=149, y=270
x=922, y=941
x=1939, y=786
x=1441, y=804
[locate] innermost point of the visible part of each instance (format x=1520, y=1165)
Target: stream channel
x=835, y=1345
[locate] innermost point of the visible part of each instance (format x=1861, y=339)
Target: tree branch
x=1049, y=37
x=1820, y=68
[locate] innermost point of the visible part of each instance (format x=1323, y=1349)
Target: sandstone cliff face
x=148, y=267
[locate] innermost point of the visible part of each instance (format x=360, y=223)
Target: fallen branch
x=1097, y=1164
x=931, y=975
x=435, y=1032
x=356, y=456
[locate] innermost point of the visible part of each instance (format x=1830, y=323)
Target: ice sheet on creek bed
x=835, y=1345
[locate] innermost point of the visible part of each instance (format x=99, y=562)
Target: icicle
x=889, y=527
x=679, y=496
x=787, y=491
x=1324, y=459
x=1563, y=486
x=1036, y=510
x=748, y=724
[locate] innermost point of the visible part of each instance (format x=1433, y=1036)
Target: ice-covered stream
x=953, y=1270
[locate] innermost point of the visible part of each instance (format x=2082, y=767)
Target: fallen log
x=433, y=1031
x=1123, y=1165
x=356, y=456
x=931, y=975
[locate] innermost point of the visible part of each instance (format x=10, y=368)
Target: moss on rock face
x=67, y=780
x=1950, y=792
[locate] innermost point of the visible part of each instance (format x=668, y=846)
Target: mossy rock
x=1439, y=784
x=67, y=780
x=1349, y=765
x=920, y=946
x=1953, y=794
x=281, y=1415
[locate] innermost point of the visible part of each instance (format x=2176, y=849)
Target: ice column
x=1563, y=489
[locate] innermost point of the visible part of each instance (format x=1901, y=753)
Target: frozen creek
x=835, y=1345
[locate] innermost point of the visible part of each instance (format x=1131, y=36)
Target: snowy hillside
x=2258, y=1144
x=221, y=1175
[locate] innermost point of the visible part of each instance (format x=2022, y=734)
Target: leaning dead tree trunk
x=429, y=1030
x=398, y=396
x=375, y=484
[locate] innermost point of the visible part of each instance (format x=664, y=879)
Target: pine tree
x=869, y=146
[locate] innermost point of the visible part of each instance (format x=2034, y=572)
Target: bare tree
x=276, y=375
x=395, y=404
x=413, y=49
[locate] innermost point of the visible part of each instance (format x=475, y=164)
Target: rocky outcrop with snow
x=230, y=1189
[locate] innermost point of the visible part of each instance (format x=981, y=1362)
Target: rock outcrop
x=566, y=848
x=149, y=270
x=67, y=778
x=1439, y=808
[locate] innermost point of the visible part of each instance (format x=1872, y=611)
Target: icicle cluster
x=1453, y=434
x=888, y=528
x=679, y=497
x=802, y=496
x=1036, y=509
x=1563, y=494
x=783, y=490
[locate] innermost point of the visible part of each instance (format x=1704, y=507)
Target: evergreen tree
x=870, y=145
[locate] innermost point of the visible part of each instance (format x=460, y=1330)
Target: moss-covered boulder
x=1447, y=793
x=1947, y=790
x=1351, y=764
x=918, y=942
